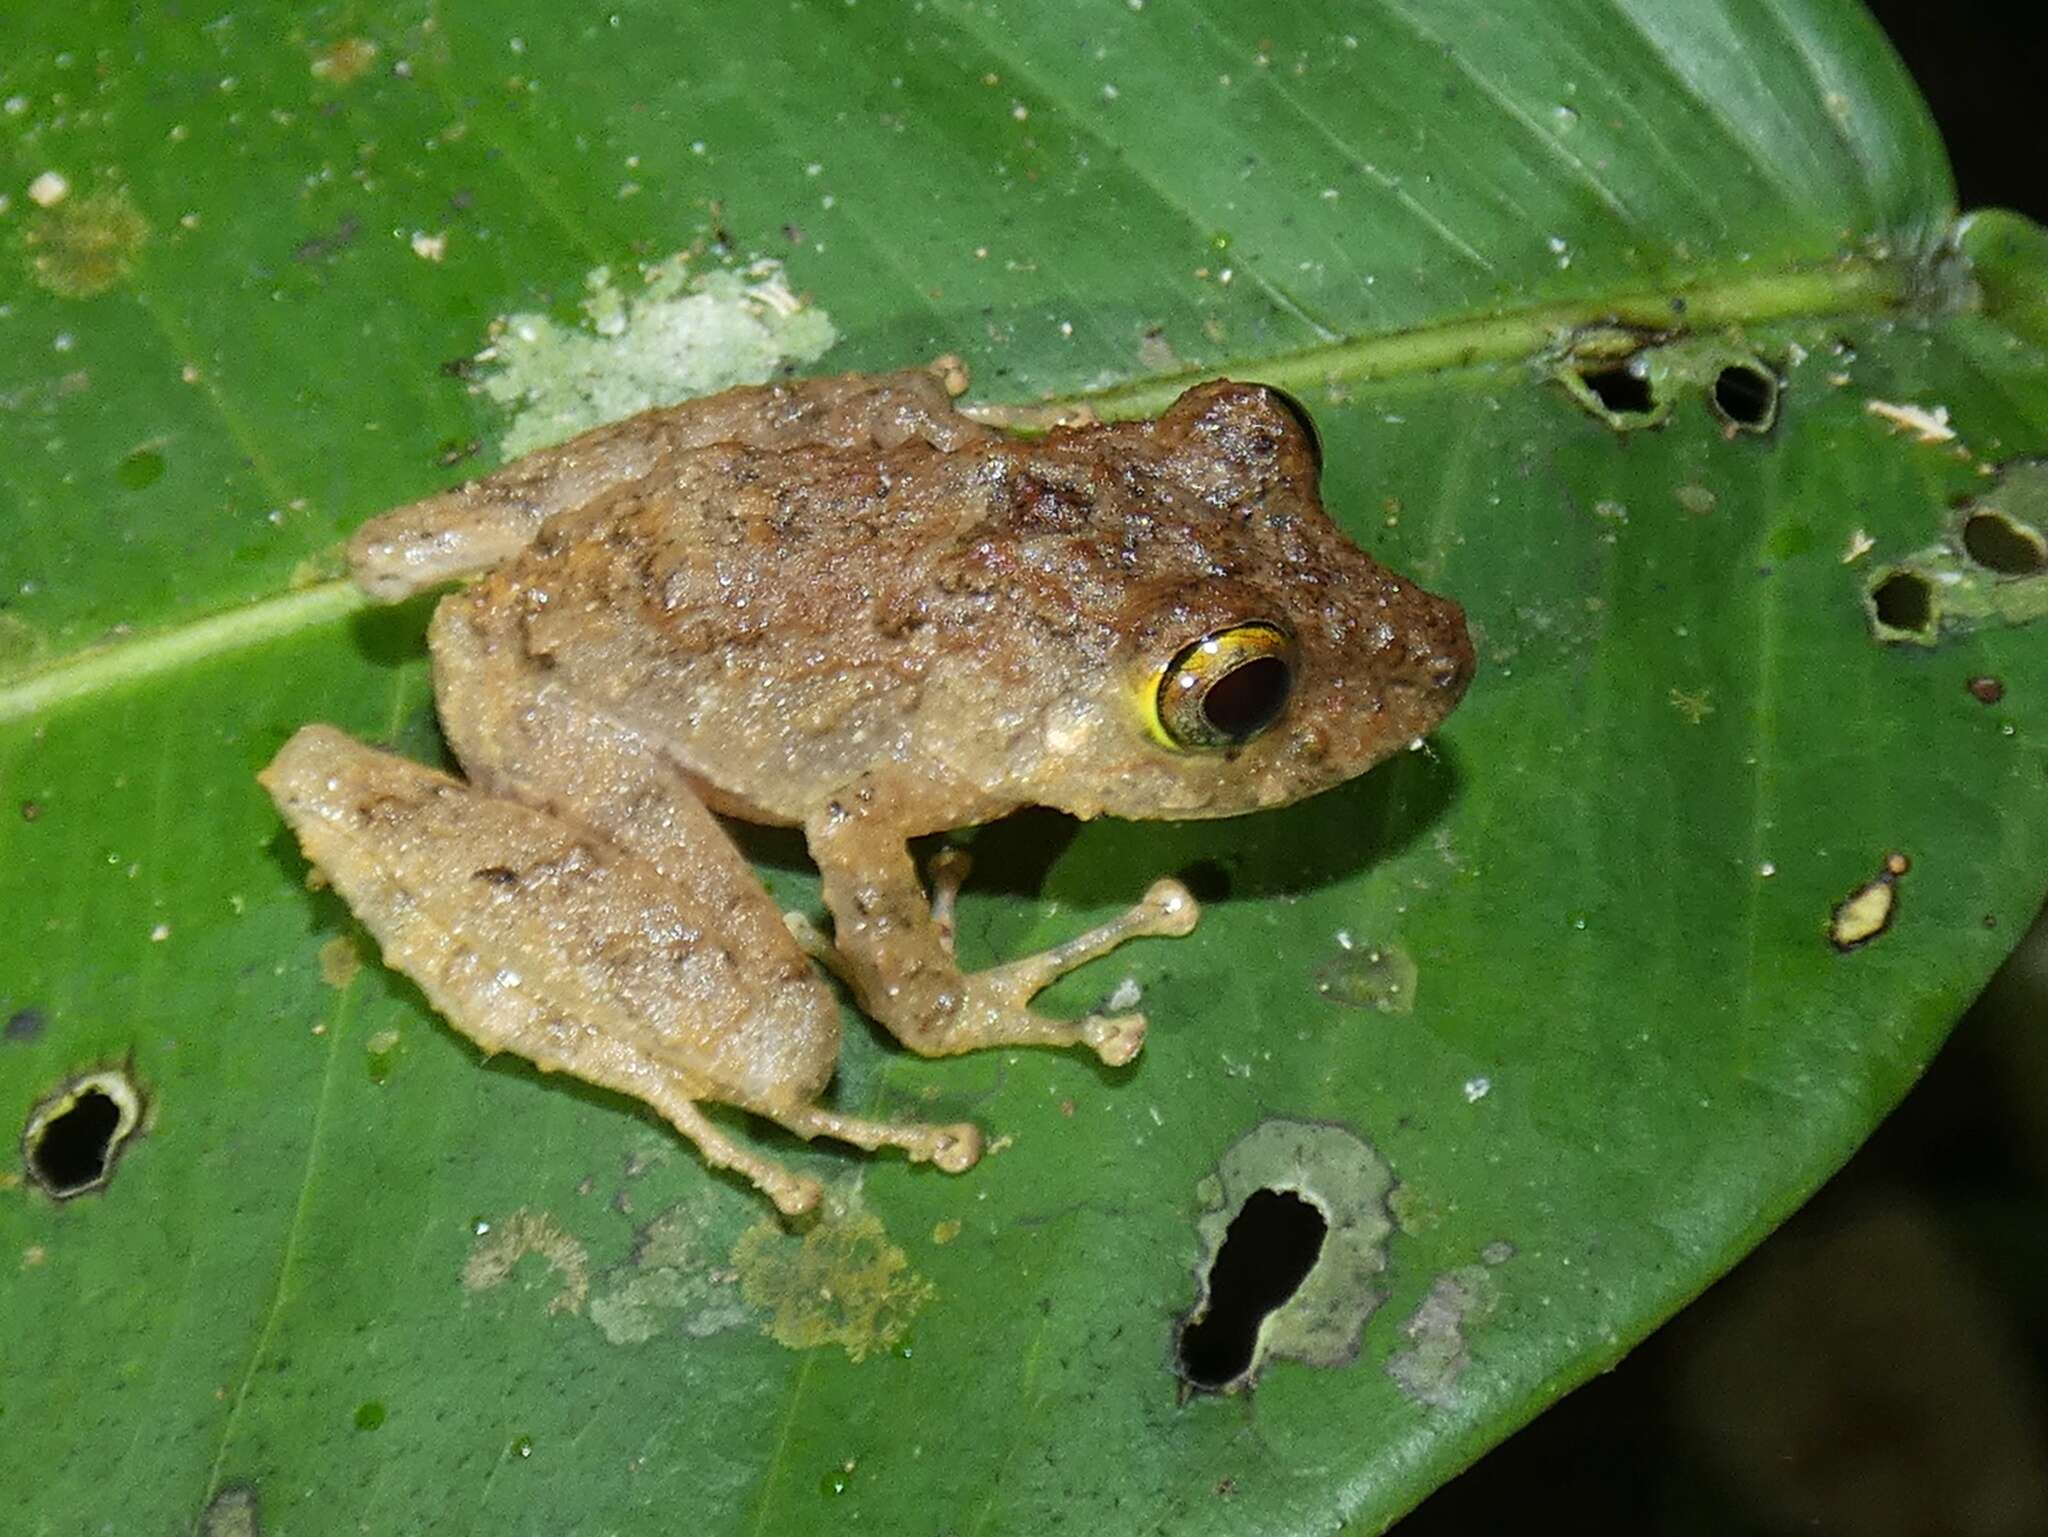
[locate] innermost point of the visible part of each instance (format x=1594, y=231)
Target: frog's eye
x=1304, y=421
x=1225, y=688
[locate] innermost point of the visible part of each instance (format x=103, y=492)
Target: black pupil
x=1244, y=700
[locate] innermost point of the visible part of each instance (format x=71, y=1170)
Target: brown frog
x=841, y=605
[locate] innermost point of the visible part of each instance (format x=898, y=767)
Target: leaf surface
x=349, y=1278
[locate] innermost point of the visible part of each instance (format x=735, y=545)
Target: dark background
x=1880, y=1366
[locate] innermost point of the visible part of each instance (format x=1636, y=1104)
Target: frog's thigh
x=485, y=522
x=532, y=937
x=521, y=735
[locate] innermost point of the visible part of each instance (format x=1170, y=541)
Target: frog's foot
x=1031, y=418
x=954, y=1148
x=994, y=1007
x=995, y=1010
x=793, y=1194
x=991, y=1008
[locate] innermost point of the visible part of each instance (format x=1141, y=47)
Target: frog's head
x=1256, y=655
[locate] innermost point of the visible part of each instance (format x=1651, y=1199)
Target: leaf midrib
x=1852, y=285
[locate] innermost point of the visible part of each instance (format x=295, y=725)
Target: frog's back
x=486, y=522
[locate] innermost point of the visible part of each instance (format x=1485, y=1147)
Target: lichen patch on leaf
x=1363, y=975
x=233, y=1512
x=842, y=1283
x=668, y=1282
x=83, y=246
x=673, y=336
x=497, y=1251
x=1435, y=1357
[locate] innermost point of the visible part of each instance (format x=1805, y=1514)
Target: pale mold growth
x=675, y=336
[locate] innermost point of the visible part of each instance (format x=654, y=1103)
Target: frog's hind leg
x=955, y=1148
x=793, y=1194
x=545, y=747
x=525, y=933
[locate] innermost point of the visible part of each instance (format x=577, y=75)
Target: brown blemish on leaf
x=1868, y=910
x=84, y=246
x=842, y=1283
x=1695, y=706
x=20, y=641
x=495, y=1254
x=325, y=565
x=344, y=61
x=1986, y=690
x=339, y=961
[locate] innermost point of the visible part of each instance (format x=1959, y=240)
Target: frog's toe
x=795, y=1196
x=1115, y=1038
x=957, y=1148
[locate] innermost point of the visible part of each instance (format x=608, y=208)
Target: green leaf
x=1564, y=979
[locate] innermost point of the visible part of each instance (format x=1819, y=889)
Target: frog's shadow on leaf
x=1325, y=840
x=1040, y=854
x=394, y=635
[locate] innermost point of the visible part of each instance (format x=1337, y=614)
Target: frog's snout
x=1444, y=657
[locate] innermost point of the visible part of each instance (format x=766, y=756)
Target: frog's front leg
x=483, y=523
x=896, y=955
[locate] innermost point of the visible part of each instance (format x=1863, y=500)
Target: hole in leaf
x=1904, y=601
x=1272, y=1244
x=1746, y=396
x=73, y=1138
x=1998, y=544
x=1620, y=389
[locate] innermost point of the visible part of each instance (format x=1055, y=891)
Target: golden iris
x=1224, y=689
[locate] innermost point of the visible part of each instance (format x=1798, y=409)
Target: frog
x=849, y=606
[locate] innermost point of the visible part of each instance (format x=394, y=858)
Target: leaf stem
x=128, y=661
x=1851, y=285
